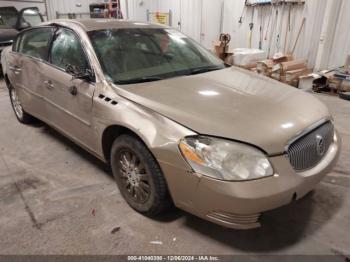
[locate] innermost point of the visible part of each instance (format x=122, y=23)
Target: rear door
x=26, y=65
x=70, y=112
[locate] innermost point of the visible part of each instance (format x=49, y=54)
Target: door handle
x=48, y=84
x=16, y=69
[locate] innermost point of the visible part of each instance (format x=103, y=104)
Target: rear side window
x=67, y=50
x=15, y=44
x=35, y=42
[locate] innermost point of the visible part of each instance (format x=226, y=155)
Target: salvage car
x=176, y=124
x=13, y=21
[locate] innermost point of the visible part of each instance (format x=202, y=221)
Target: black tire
x=151, y=202
x=23, y=117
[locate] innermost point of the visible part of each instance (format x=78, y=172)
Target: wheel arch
x=7, y=81
x=111, y=133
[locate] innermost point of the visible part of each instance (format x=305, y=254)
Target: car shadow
x=280, y=228
x=49, y=131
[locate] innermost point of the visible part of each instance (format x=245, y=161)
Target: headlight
x=224, y=159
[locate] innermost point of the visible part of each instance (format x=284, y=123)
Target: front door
x=69, y=100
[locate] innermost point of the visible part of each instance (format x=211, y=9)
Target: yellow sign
x=160, y=18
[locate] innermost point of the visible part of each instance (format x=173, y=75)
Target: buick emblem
x=320, y=145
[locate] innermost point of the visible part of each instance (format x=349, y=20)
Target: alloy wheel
x=16, y=104
x=134, y=176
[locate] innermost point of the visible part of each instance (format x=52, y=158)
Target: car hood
x=232, y=103
x=7, y=35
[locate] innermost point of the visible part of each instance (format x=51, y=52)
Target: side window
x=16, y=42
x=67, y=50
x=35, y=42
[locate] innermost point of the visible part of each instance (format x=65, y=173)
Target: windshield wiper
x=139, y=80
x=201, y=70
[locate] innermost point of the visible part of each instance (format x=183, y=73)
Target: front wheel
x=21, y=115
x=138, y=176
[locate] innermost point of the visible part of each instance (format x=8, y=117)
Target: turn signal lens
x=190, y=154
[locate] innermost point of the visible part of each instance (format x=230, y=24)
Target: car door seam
x=57, y=106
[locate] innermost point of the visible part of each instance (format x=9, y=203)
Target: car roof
x=100, y=24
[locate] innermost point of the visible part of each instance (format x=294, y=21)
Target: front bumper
x=239, y=204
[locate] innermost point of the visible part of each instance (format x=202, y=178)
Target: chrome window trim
x=81, y=44
x=47, y=62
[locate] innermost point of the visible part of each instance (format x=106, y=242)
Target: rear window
x=8, y=17
x=35, y=42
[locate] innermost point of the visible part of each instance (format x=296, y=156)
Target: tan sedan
x=176, y=124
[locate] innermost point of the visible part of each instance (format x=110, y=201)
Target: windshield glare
x=139, y=55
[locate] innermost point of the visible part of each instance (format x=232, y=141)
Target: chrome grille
x=308, y=151
x=235, y=218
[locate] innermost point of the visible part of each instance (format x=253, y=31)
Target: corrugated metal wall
x=274, y=31
x=27, y=3
x=201, y=19
x=68, y=6
x=340, y=45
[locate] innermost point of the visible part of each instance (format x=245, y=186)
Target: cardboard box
x=245, y=57
x=265, y=65
x=293, y=65
x=306, y=81
x=220, y=49
x=344, y=86
x=276, y=75
x=295, y=74
x=229, y=59
x=283, y=58
x=347, y=65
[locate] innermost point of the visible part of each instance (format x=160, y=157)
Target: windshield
x=8, y=19
x=140, y=55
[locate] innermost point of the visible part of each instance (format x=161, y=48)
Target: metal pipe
x=170, y=18
x=201, y=36
x=127, y=9
x=47, y=13
x=222, y=17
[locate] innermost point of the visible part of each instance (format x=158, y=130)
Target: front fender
x=160, y=134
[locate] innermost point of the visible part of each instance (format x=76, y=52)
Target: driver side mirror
x=78, y=73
